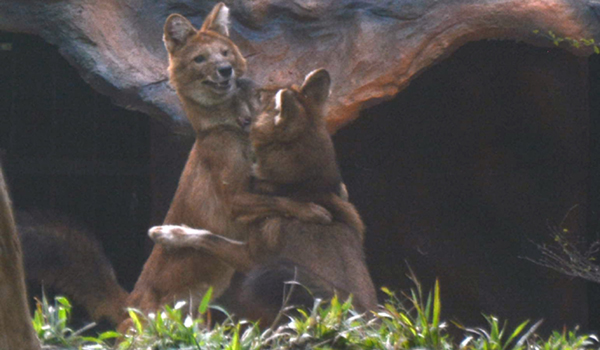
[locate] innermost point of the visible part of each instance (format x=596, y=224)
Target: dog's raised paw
x=174, y=235
x=159, y=234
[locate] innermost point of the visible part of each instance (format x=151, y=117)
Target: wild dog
x=63, y=255
x=294, y=157
x=206, y=67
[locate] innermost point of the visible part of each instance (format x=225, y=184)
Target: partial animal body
x=295, y=158
x=205, y=69
x=62, y=254
x=16, y=329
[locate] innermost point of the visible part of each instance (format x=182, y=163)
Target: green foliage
x=175, y=328
x=50, y=324
x=576, y=43
x=566, y=341
x=332, y=325
x=570, y=254
x=417, y=325
x=495, y=338
x=412, y=321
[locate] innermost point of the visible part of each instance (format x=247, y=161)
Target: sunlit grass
x=410, y=321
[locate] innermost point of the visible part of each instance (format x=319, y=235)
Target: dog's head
x=203, y=64
x=290, y=111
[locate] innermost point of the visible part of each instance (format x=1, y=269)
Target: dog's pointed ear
x=316, y=87
x=177, y=31
x=217, y=20
x=285, y=106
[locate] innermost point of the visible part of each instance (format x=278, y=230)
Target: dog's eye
x=199, y=59
x=225, y=53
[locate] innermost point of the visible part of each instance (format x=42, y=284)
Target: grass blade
x=437, y=305
x=205, y=301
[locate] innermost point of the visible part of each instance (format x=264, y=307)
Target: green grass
x=50, y=324
x=412, y=321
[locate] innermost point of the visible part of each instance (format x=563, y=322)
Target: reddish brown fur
x=62, y=254
x=213, y=188
x=295, y=157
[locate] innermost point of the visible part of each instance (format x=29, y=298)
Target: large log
x=16, y=329
x=372, y=49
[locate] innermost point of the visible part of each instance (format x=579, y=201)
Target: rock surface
x=372, y=49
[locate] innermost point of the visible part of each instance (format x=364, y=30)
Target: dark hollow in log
x=464, y=169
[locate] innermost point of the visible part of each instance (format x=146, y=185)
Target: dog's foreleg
x=232, y=252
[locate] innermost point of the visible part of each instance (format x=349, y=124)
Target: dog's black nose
x=225, y=72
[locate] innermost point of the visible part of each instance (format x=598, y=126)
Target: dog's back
x=296, y=158
x=325, y=259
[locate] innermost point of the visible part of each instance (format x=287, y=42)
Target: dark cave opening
x=463, y=170
x=68, y=149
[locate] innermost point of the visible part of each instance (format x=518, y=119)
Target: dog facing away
x=206, y=67
x=295, y=158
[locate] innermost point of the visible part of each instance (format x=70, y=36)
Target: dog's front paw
x=176, y=236
x=166, y=234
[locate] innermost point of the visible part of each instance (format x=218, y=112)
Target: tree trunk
x=372, y=49
x=16, y=329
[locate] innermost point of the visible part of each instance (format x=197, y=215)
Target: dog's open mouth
x=218, y=86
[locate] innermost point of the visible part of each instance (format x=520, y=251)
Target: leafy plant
x=569, y=253
x=577, y=43
x=50, y=324
x=334, y=325
x=496, y=337
x=165, y=329
x=566, y=341
x=419, y=324
x=411, y=321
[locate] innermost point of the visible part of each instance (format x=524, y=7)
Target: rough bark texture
x=16, y=330
x=372, y=49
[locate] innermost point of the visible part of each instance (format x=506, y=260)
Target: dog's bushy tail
x=63, y=255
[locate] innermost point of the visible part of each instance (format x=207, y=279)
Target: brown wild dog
x=63, y=255
x=206, y=67
x=294, y=158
